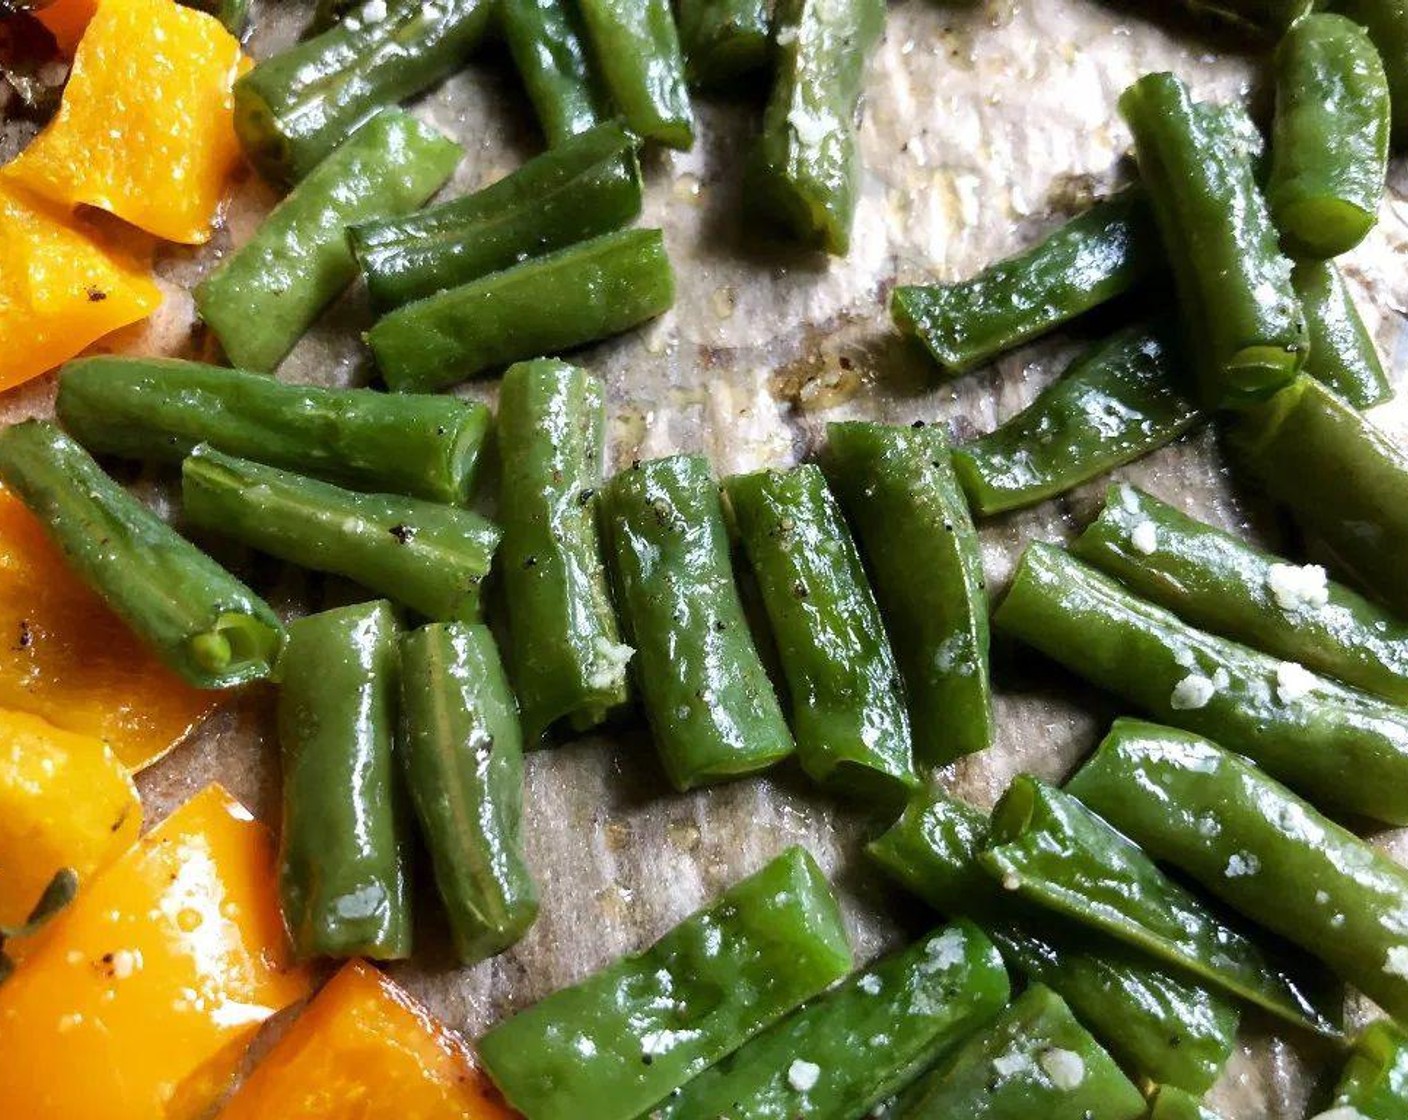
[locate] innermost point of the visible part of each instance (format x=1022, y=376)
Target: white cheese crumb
x=1014, y=1063
x=1321, y=897
x=811, y=128
x=946, y=950
x=1344, y=1112
x=1397, y=962
x=869, y=984
x=1065, y=1067
x=1192, y=692
x=1145, y=538
x=125, y=963
x=1010, y=882
x=610, y=665
x=1242, y=864
x=803, y=1075
x=1298, y=588
x=1293, y=682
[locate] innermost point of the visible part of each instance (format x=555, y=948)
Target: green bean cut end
x=235, y=643
x=1320, y=228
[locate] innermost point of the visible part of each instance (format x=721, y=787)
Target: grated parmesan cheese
x=1298, y=588
x=803, y=1075
x=1192, y=692
x=1066, y=1068
x=1293, y=682
x=1145, y=538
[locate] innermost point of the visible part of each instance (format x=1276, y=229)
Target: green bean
x=805, y=169
x=1344, y=479
x=724, y=41
x=430, y=557
x=462, y=755
x=1051, y=850
x=1345, y=748
x=545, y=38
x=1375, y=1079
x=577, y=295
x=848, y=713
x=1174, y=1104
x=1386, y=21
x=1115, y=404
x=1329, y=148
x=588, y=185
x=1088, y=261
x=343, y=873
x=1245, y=326
x=620, y=1041
x=294, y=108
x=1263, y=17
x=1035, y=1060
x=261, y=299
x=1258, y=847
x=708, y=698
x=161, y=408
x=1215, y=581
x=637, y=48
x=198, y=618
x=857, y=1044
x=1342, y=354
x=898, y=487
x=568, y=659
x=234, y=14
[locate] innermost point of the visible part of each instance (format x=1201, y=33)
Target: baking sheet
x=983, y=126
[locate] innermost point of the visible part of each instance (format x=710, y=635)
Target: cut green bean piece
x=709, y=700
x=343, y=873
x=1174, y=1104
x=578, y=295
x=198, y=618
x=294, y=108
x=1342, y=353
x=462, y=755
x=622, y=1040
x=1035, y=1060
x=568, y=658
x=1244, y=324
x=546, y=41
x=429, y=557
x=637, y=47
x=1053, y=851
x=1375, y=1078
x=1344, y=479
x=1258, y=847
x=234, y=14
x=858, y=1044
x=1386, y=21
x=1220, y=583
x=589, y=185
x=1268, y=18
x=161, y=408
x=1345, y=748
x=262, y=298
x=848, y=712
x=897, y=486
x=724, y=41
x=1093, y=258
x=1114, y=405
x=805, y=170
x=1158, y=1023
x=1329, y=147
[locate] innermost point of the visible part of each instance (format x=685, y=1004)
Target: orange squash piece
x=66, y=21
x=60, y=287
x=65, y=801
x=365, y=1050
x=146, y=126
x=139, y=1001
x=68, y=658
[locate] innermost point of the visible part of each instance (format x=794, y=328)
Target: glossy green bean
x=546, y=40
x=1221, y=583
x=636, y=46
x=1174, y=1104
x=234, y=14
x=620, y=1041
x=261, y=299
x=1088, y=261
x=1342, y=353
x=198, y=618
x=1344, y=479
x=586, y=186
x=343, y=872
x=161, y=408
x=1386, y=21
x=1053, y=851
x=708, y=698
x=1268, y=18
x=577, y=295
x=1329, y=146
x=1374, y=1082
x=429, y=557
x=848, y=713
x=805, y=168
x=858, y=1044
x=1258, y=847
x=1244, y=324
x=462, y=756
x=1158, y=1023
x=1345, y=748
x=897, y=486
x=294, y=108
x=1115, y=404
x=1035, y=1060
x=724, y=41
x=568, y=659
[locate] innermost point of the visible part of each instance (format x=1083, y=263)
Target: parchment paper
x=983, y=126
